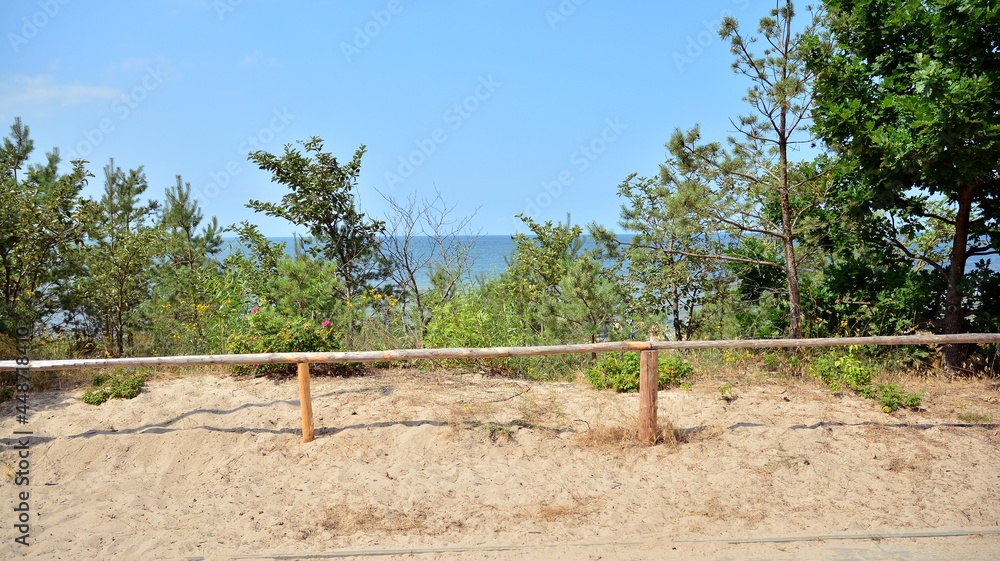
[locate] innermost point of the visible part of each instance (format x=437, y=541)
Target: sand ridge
x=214, y=467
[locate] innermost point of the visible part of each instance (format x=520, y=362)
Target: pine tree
x=119, y=259
x=183, y=273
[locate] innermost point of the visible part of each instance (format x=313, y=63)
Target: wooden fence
x=648, y=379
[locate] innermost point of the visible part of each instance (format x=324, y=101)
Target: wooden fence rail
x=645, y=348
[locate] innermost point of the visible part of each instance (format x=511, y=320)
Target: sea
x=488, y=255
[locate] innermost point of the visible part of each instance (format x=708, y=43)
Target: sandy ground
x=412, y=465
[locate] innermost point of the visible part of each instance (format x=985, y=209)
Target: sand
x=416, y=465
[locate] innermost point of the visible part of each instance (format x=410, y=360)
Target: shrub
x=848, y=372
x=479, y=318
x=119, y=385
x=842, y=372
x=267, y=331
x=892, y=397
x=620, y=372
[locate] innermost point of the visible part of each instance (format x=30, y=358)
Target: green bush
x=267, y=331
x=841, y=372
x=620, y=372
x=119, y=385
x=892, y=397
x=483, y=317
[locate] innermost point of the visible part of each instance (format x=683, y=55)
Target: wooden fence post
x=305, y=399
x=649, y=381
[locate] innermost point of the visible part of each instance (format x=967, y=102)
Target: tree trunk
x=954, y=314
x=676, y=309
x=787, y=238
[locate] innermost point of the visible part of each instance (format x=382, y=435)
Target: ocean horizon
x=488, y=255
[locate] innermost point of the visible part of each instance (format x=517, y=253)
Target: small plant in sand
x=975, y=417
x=726, y=393
x=496, y=431
x=119, y=385
x=892, y=397
x=7, y=467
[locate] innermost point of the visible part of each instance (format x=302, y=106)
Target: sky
x=537, y=107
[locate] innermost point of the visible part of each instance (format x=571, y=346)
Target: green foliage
x=865, y=292
x=119, y=260
x=661, y=275
x=726, y=392
x=481, y=317
x=771, y=361
x=121, y=384
x=908, y=96
x=41, y=222
x=620, y=372
x=321, y=198
x=847, y=371
x=754, y=191
x=179, y=312
x=267, y=330
x=842, y=371
x=251, y=271
x=291, y=302
x=892, y=397
x=494, y=315
x=560, y=289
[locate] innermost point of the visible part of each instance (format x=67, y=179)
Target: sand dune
x=460, y=466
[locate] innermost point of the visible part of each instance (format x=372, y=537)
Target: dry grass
x=348, y=519
x=576, y=508
x=626, y=435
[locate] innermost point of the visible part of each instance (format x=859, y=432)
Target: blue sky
x=539, y=107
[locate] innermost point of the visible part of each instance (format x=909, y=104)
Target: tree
x=661, y=269
x=321, y=197
x=180, y=292
x=187, y=246
x=430, y=271
x=558, y=284
x=41, y=221
x=119, y=258
x=758, y=190
x=908, y=96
